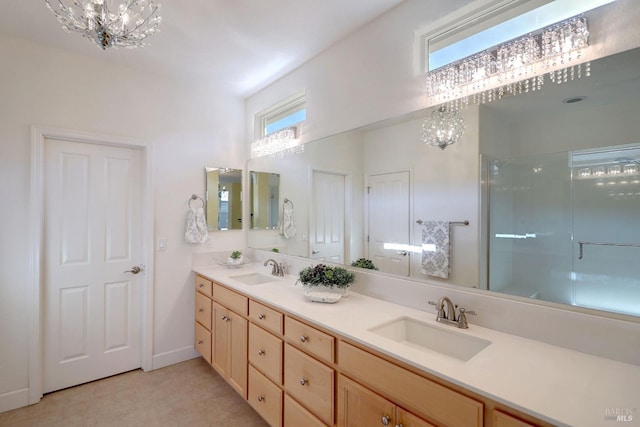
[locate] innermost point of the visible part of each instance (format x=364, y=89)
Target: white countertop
x=558, y=385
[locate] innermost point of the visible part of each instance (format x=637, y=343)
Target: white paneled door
x=389, y=222
x=328, y=217
x=92, y=249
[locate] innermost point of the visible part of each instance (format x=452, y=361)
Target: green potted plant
x=364, y=263
x=235, y=258
x=321, y=280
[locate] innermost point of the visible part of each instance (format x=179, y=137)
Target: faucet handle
x=462, y=317
x=439, y=310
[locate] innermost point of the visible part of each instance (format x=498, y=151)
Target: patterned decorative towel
x=196, y=226
x=436, y=248
x=287, y=228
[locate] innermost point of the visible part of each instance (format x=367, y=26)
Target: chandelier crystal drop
x=109, y=23
x=442, y=127
x=514, y=67
x=278, y=144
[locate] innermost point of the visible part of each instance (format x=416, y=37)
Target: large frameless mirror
x=224, y=198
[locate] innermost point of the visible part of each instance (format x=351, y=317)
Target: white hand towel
x=287, y=228
x=196, y=226
x=436, y=248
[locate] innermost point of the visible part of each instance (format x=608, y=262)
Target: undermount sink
x=419, y=335
x=253, y=278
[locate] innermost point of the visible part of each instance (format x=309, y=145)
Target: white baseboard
x=174, y=356
x=14, y=399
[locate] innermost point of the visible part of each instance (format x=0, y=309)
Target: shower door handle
x=403, y=253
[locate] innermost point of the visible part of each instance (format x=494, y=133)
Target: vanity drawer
x=310, y=382
x=203, y=285
x=265, y=398
x=203, y=310
x=230, y=299
x=409, y=390
x=203, y=342
x=266, y=317
x=296, y=416
x=501, y=419
x=265, y=353
x=310, y=339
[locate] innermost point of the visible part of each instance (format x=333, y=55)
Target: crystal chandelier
x=514, y=67
x=442, y=127
x=109, y=23
x=281, y=143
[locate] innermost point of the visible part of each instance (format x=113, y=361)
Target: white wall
x=188, y=124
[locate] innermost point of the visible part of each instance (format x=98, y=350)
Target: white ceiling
x=243, y=45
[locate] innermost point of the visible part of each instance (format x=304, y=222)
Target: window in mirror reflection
x=224, y=198
x=265, y=195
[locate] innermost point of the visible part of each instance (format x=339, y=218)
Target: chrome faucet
x=277, y=269
x=449, y=316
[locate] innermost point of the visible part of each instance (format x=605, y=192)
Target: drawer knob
x=261, y=352
x=261, y=316
x=304, y=339
x=399, y=425
x=260, y=398
x=303, y=381
x=201, y=310
x=385, y=420
x=201, y=285
x=225, y=318
x=200, y=342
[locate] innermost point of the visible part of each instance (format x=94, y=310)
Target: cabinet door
x=229, y=353
x=237, y=361
x=296, y=416
x=203, y=342
x=358, y=406
x=265, y=397
x=220, y=351
x=265, y=353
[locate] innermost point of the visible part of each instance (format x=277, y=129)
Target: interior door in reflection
x=389, y=222
x=327, y=217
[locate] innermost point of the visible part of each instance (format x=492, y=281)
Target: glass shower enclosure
x=565, y=227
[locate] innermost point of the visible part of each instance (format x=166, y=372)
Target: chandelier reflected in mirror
x=109, y=23
x=442, y=127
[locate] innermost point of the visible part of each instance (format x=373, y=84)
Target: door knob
x=403, y=253
x=135, y=270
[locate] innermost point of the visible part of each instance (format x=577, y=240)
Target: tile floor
x=188, y=394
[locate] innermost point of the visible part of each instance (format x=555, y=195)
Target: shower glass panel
x=530, y=227
x=544, y=208
x=606, y=220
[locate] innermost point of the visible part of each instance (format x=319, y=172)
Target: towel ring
x=195, y=197
x=288, y=201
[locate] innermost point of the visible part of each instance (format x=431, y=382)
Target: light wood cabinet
x=203, y=307
x=203, y=342
x=409, y=390
x=310, y=382
x=295, y=415
x=265, y=353
x=295, y=374
x=266, y=317
x=501, y=419
x=265, y=397
x=309, y=339
x=229, y=353
x=358, y=406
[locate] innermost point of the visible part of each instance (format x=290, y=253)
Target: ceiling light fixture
x=279, y=144
x=109, y=23
x=514, y=67
x=442, y=127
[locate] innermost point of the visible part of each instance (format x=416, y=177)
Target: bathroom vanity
x=303, y=363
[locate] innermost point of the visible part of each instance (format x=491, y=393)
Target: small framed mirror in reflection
x=265, y=194
x=224, y=198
